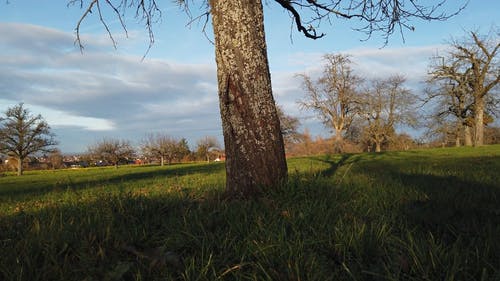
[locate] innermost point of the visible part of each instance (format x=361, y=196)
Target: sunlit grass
x=417, y=215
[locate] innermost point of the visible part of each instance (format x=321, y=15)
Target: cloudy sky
x=114, y=93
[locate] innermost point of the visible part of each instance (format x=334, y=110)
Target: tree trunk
x=377, y=146
x=457, y=133
x=20, y=166
x=339, y=141
x=467, y=136
x=252, y=137
x=162, y=161
x=479, y=122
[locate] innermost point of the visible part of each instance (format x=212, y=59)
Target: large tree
x=334, y=95
x=479, y=56
x=449, y=87
x=465, y=81
x=387, y=103
x=23, y=134
x=253, y=142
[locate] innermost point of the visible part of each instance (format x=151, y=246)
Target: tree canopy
x=111, y=151
x=23, y=134
x=465, y=82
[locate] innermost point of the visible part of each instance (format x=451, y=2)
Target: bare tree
x=465, y=82
x=205, y=146
x=448, y=85
x=479, y=54
x=334, y=95
x=289, y=127
x=56, y=159
x=23, y=134
x=161, y=146
x=182, y=150
x=253, y=141
x=386, y=104
x=112, y=151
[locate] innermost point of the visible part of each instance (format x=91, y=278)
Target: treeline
x=159, y=149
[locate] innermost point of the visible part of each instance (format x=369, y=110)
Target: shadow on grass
x=451, y=204
x=335, y=164
x=30, y=185
x=313, y=231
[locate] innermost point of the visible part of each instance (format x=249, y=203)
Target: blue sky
x=113, y=93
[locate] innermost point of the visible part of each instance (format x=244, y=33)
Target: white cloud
x=102, y=91
x=58, y=119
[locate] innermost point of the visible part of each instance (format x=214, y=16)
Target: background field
x=417, y=215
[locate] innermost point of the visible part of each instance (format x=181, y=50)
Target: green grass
x=417, y=215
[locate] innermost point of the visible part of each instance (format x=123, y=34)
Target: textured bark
x=253, y=141
x=479, y=122
x=378, y=146
x=20, y=166
x=339, y=140
x=467, y=136
x=457, y=134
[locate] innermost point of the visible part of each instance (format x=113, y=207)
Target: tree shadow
x=119, y=235
x=451, y=205
x=336, y=164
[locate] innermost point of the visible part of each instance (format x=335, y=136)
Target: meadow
x=415, y=215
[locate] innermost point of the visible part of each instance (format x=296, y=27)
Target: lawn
x=416, y=215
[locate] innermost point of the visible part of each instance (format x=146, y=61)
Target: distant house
x=220, y=157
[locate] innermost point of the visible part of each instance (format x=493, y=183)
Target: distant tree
x=402, y=141
x=334, y=95
x=206, y=146
x=386, y=104
x=469, y=75
x=305, y=146
x=55, y=159
x=161, y=146
x=440, y=131
x=354, y=134
x=289, y=127
x=252, y=139
x=112, y=151
x=492, y=135
x=183, y=150
x=23, y=134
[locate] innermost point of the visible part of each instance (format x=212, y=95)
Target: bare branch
x=84, y=15
x=309, y=32
x=386, y=16
x=146, y=11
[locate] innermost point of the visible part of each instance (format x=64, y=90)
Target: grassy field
x=417, y=215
